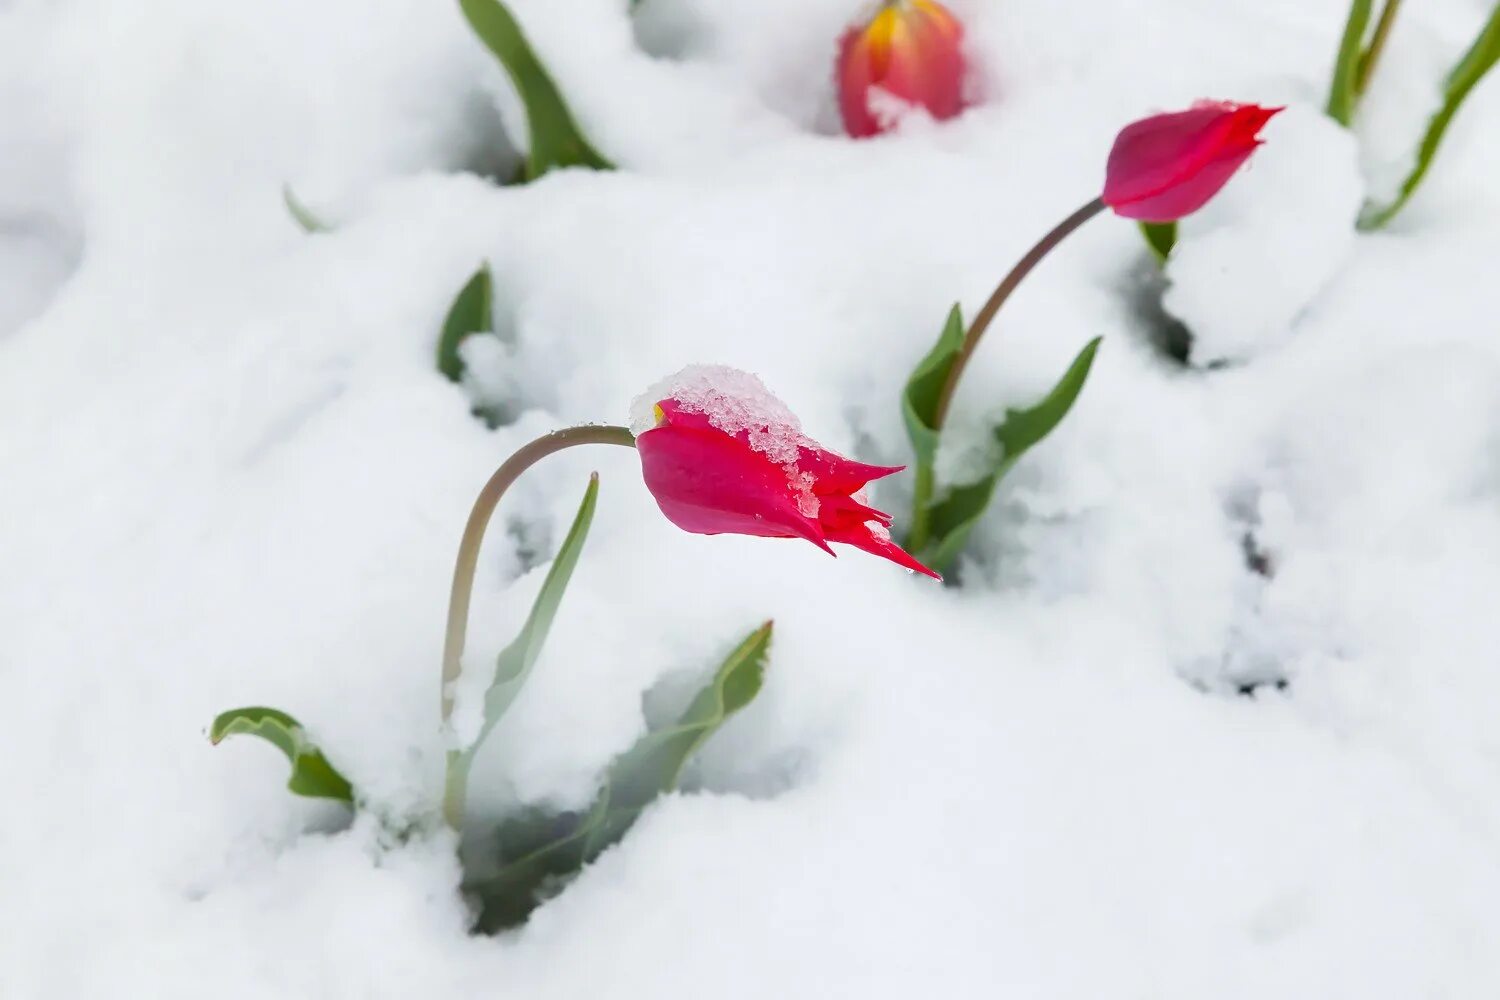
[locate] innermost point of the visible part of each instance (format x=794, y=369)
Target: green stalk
x=455, y=781
x=1371, y=55
x=923, y=484
x=1343, y=95
x=1003, y=291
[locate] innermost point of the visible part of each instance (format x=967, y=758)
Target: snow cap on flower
x=721, y=455
x=1169, y=165
x=910, y=51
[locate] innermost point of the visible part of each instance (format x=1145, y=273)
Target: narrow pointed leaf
x=514, y=664
x=556, y=141
x=1476, y=62
x=954, y=517
x=1161, y=237
x=1343, y=92
x=472, y=311
x=312, y=775
x=538, y=850
x=300, y=213
x=653, y=766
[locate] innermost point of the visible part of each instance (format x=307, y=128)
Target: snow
x=232, y=476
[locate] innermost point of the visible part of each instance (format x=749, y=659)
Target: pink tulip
x=910, y=50
x=717, y=465
x=1167, y=166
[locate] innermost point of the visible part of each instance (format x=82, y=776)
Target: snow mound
x=1256, y=256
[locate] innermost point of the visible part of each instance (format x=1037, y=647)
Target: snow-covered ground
x=229, y=474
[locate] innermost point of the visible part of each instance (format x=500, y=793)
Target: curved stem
x=1371, y=55
x=1002, y=292
x=468, y=560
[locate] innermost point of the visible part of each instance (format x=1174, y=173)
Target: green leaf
x=538, y=850
x=556, y=140
x=955, y=516
x=300, y=213
x=919, y=401
x=1161, y=237
x=1476, y=62
x=513, y=666
x=473, y=311
x=1343, y=92
x=312, y=775
x=919, y=405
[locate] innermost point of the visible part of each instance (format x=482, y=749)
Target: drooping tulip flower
x=1167, y=166
x=721, y=455
x=911, y=51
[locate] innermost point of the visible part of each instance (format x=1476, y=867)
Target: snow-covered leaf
x=954, y=517
x=300, y=213
x=472, y=312
x=538, y=850
x=312, y=775
x=555, y=139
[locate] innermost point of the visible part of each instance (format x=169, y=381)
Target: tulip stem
x=1368, y=58
x=468, y=561
x=921, y=507
x=1002, y=292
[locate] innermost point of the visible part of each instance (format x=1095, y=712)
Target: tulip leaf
x=555, y=139
x=1343, y=93
x=919, y=402
x=1476, y=62
x=952, y=518
x=1161, y=237
x=312, y=775
x=513, y=666
x=300, y=213
x=472, y=311
x=919, y=405
x=538, y=851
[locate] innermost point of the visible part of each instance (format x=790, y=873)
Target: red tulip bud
x=911, y=51
x=1167, y=166
x=721, y=455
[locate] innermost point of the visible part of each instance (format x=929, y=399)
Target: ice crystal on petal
x=736, y=402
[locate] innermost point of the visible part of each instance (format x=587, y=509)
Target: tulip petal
x=1167, y=166
x=1183, y=199
x=878, y=543
x=709, y=483
x=910, y=51
x=925, y=66
x=838, y=511
x=833, y=473
x=856, y=73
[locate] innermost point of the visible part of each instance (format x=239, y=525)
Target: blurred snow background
x=229, y=474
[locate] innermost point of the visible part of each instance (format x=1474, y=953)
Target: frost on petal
x=733, y=401
x=738, y=404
